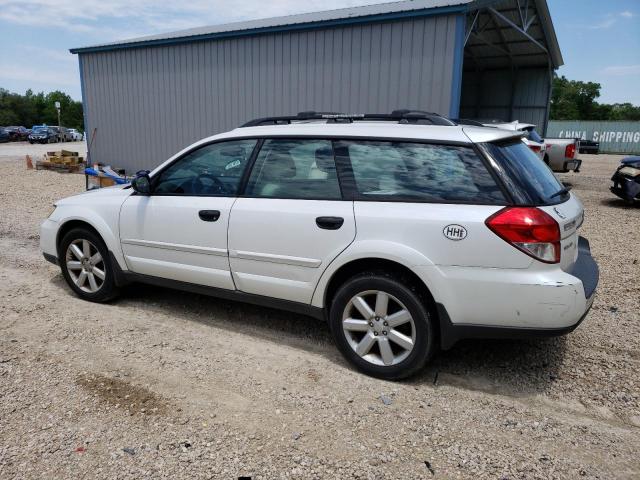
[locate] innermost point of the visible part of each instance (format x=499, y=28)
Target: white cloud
x=622, y=70
x=67, y=77
x=610, y=19
x=43, y=53
x=139, y=17
x=608, y=22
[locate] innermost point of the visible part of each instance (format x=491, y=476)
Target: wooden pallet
x=65, y=157
x=60, y=167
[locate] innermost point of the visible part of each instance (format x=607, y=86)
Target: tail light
x=528, y=229
x=535, y=148
x=570, y=151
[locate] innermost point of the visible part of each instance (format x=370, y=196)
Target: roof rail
x=302, y=116
x=401, y=116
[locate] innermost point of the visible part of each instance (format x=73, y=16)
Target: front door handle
x=209, y=215
x=330, y=223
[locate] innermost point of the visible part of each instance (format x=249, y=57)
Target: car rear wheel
x=85, y=265
x=381, y=325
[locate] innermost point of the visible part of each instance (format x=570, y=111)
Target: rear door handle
x=209, y=215
x=330, y=223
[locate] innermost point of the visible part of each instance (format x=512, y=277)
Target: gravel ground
x=168, y=384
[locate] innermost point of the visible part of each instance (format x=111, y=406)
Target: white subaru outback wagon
x=406, y=231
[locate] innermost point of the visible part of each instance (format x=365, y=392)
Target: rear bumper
x=573, y=165
x=517, y=307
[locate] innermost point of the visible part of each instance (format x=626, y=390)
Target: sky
x=600, y=40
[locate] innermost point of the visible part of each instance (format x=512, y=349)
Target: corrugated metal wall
x=522, y=95
x=148, y=103
x=614, y=137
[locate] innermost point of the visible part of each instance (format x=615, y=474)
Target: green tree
x=576, y=100
x=35, y=109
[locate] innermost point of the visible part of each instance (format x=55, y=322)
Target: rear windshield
x=527, y=177
x=418, y=172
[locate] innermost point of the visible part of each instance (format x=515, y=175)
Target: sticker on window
x=234, y=164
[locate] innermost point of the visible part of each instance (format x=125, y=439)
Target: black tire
x=425, y=343
x=107, y=290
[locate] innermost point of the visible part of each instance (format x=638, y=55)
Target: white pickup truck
x=558, y=153
x=561, y=154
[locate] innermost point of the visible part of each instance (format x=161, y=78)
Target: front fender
x=379, y=249
x=107, y=228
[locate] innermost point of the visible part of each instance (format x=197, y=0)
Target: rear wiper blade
x=562, y=191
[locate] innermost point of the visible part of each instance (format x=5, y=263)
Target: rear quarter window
x=527, y=177
x=418, y=172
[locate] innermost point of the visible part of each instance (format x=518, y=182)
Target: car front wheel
x=381, y=325
x=85, y=266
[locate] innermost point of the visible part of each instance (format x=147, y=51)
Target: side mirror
x=142, y=183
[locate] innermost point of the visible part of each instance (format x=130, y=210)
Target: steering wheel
x=197, y=185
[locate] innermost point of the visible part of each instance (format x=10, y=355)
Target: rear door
x=291, y=221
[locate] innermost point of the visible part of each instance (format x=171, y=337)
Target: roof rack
x=401, y=116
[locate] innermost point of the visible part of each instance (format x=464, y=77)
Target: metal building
x=146, y=98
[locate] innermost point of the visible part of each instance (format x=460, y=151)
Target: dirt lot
x=175, y=385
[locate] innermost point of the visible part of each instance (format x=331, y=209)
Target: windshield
x=40, y=130
x=528, y=178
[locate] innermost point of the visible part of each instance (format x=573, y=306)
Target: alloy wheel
x=85, y=265
x=379, y=327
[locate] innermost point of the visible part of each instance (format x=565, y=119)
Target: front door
x=179, y=232
x=291, y=222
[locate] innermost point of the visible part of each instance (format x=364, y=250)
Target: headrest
x=324, y=160
x=279, y=165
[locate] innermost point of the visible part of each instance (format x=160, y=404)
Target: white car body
x=76, y=136
x=271, y=248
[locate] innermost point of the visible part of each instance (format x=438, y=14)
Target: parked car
x=626, y=180
x=63, y=133
x=589, y=146
x=17, y=134
x=4, y=135
x=452, y=240
x=44, y=135
x=76, y=136
x=561, y=154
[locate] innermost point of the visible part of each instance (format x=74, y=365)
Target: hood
x=89, y=195
x=631, y=161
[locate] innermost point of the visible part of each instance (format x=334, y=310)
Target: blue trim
x=425, y=12
x=456, y=80
x=85, y=112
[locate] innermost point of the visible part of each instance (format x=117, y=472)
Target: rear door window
x=295, y=169
x=527, y=177
x=418, y=172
